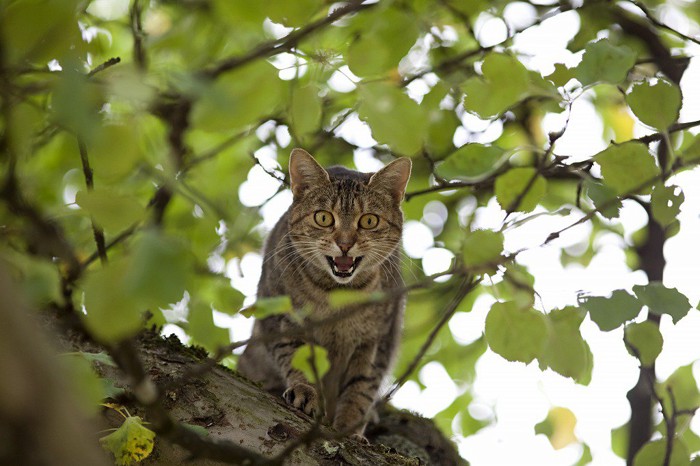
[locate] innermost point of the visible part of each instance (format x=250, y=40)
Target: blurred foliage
x=132, y=135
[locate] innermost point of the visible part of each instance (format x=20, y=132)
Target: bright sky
x=514, y=395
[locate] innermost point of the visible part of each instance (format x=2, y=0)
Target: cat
x=342, y=231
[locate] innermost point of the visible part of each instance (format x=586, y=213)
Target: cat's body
x=341, y=232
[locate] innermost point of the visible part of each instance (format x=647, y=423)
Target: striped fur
x=362, y=341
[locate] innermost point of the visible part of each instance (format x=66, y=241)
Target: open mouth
x=343, y=266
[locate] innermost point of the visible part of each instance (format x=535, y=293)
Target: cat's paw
x=360, y=438
x=303, y=397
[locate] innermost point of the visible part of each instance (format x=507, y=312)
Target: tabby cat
x=342, y=231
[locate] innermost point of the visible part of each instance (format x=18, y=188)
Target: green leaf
x=384, y=39
x=202, y=328
x=238, y=98
x=265, y=307
x=619, y=440
x=604, y=62
x=159, y=269
x=40, y=279
x=39, y=30
x=86, y=384
x=114, y=150
x=561, y=74
x=662, y=300
x=520, y=189
x=610, y=313
x=666, y=203
x=644, y=341
x=295, y=13
x=305, y=110
x=308, y=356
x=692, y=152
x=131, y=442
x=345, y=297
x=627, y=167
x=504, y=82
x=566, y=352
x=604, y=199
x=112, y=211
x=657, y=104
x=517, y=334
x=482, y=250
x=472, y=162
x=653, y=453
x=559, y=427
x=684, y=387
x=112, y=313
x=393, y=117
x=101, y=357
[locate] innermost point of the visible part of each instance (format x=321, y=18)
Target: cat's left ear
x=393, y=178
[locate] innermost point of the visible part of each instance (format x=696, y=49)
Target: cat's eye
x=323, y=218
x=369, y=221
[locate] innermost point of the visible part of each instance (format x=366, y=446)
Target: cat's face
x=345, y=223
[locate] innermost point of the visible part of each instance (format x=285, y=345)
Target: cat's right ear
x=304, y=172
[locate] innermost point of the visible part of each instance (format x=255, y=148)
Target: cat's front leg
x=299, y=393
x=357, y=392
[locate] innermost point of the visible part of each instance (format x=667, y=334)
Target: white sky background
x=514, y=395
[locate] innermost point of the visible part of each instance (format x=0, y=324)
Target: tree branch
x=288, y=42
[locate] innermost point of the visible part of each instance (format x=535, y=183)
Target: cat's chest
x=348, y=327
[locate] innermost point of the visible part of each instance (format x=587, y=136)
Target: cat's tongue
x=343, y=263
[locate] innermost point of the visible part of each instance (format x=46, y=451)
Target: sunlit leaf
x=610, y=313
x=655, y=104
x=627, y=168
x=653, y=453
x=472, y=162
x=202, y=328
x=504, y=82
x=666, y=203
x=520, y=189
x=386, y=37
x=112, y=313
x=305, y=110
x=558, y=426
x=682, y=386
x=310, y=357
x=517, y=334
x=111, y=210
x=604, y=62
x=394, y=118
x=264, y=307
x=565, y=351
x=604, y=199
x=482, y=249
x=131, y=442
x=662, y=300
x=294, y=13
x=159, y=269
x=644, y=341
x=238, y=98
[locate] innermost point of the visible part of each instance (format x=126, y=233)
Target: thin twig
x=97, y=231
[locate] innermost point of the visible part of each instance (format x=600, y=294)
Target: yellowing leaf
x=131, y=442
x=558, y=426
x=308, y=357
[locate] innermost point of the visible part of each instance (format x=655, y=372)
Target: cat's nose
x=345, y=243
